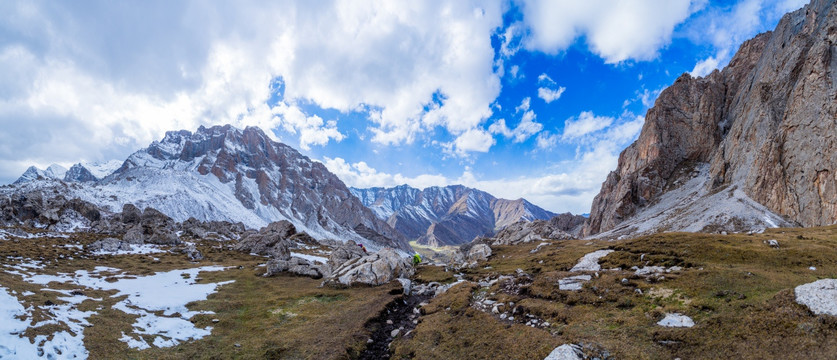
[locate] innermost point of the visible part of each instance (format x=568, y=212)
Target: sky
x=532, y=99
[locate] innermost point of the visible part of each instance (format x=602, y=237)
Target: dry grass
x=738, y=290
x=285, y=317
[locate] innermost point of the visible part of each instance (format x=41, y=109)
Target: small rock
x=395, y=333
x=370, y=341
x=237, y=345
x=389, y=322
x=503, y=316
x=676, y=320
x=812, y=268
x=624, y=281
x=511, y=318
x=215, y=321
x=772, y=243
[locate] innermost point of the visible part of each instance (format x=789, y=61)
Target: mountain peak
x=446, y=215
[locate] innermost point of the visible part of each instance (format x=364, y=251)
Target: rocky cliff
x=763, y=131
x=450, y=215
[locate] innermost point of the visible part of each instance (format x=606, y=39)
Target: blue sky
x=529, y=99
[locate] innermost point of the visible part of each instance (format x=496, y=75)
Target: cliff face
x=766, y=124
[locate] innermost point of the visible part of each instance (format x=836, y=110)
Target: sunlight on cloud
x=615, y=30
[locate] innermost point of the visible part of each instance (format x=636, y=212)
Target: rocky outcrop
x=109, y=245
x=153, y=227
x=561, y=227
x=36, y=208
x=271, y=240
x=451, y=215
x=763, y=125
x=373, y=269
x=212, y=229
x=297, y=266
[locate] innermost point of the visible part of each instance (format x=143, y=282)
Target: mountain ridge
x=446, y=215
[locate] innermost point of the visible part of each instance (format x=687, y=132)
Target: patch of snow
x=565, y=352
x=311, y=258
x=676, y=320
x=820, y=296
x=166, y=292
x=14, y=320
x=590, y=262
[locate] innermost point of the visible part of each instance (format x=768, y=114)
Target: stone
x=820, y=296
x=565, y=352
x=374, y=269
x=479, y=252
x=109, y=245
x=271, y=240
x=573, y=283
x=590, y=262
x=773, y=243
x=394, y=333
x=676, y=320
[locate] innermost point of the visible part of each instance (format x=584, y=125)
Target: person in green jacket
x=416, y=259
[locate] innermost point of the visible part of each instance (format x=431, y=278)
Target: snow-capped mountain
x=81, y=172
x=54, y=171
x=448, y=215
x=224, y=173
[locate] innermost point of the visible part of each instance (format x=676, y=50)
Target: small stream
x=399, y=315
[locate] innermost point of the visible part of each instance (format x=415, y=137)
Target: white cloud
x=547, y=140
x=616, y=30
x=166, y=66
x=474, y=140
x=586, y=123
x=523, y=131
x=550, y=95
x=547, y=92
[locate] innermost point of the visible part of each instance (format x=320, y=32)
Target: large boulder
x=345, y=252
x=479, y=252
x=271, y=240
x=297, y=266
x=152, y=227
x=109, y=245
x=374, y=269
x=131, y=214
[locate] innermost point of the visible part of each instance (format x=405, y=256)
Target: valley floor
x=733, y=296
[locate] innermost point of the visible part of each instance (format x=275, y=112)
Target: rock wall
x=767, y=123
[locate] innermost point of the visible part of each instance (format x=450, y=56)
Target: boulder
x=297, y=266
x=479, y=252
x=374, y=269
x=344, y=253
x=271, y=240
x=109, y=245
x=131, y=214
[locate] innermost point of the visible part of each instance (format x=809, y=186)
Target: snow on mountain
x=102, y=169
x=224, y=173
x=54, y=171
x=446, y=215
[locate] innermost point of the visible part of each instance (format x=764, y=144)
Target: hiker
x=363, y=248
x=416, y=259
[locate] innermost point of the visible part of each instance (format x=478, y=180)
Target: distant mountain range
x=223, y=173
x=451, y=215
